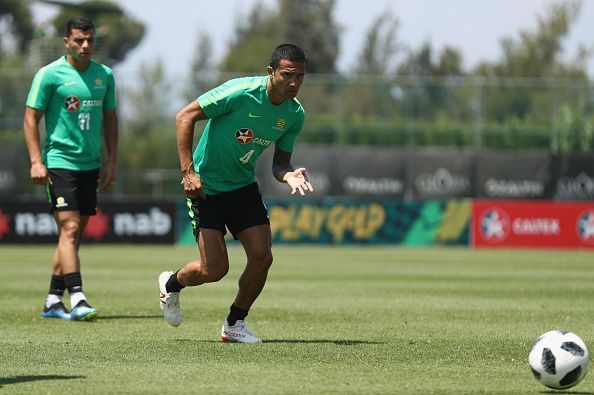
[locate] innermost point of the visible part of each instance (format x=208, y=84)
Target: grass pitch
x=336, y=320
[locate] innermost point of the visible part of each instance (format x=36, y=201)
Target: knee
x=208, y=272
x=263, y=259
x=215, y=274
x=70, y=230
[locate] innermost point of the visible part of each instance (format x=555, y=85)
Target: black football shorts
x=73, y=190
x=234, y=210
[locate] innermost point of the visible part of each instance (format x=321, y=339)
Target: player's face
x=286, y=80
x=80, y=44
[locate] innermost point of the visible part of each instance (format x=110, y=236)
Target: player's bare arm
x=185, y=120
x=283, y=171
x=39, y=173
x=109, y=169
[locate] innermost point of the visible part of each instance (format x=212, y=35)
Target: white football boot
x=169, y=301
x=238, y=333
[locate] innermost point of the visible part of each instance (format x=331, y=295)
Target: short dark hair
x=81, y=23
x=289, y=52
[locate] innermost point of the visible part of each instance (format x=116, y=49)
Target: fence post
x=479, y=84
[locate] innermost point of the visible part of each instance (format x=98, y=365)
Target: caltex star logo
x=97, y=227
x=244, y=135
x=495, y=225
x=585, y=227
x=72, y=103
x=4, y=224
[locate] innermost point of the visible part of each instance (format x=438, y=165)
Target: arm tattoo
x=281, y=164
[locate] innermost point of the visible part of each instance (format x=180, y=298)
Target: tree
x=308, y=24
x=532, y=56
x=203, y=68
x=255, y=35
x=118, y=33
x=149, y=102
x=423, y=63
x=380, y=50
x=18, y=16
x=538, y=53
x=148, y=140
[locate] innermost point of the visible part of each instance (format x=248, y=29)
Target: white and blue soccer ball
x=559, y=359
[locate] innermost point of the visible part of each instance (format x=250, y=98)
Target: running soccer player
x=78, y=99
x=245, y=116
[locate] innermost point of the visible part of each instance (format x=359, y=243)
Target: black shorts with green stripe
x=234, y=210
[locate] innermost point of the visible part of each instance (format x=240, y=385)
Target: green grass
x=335, y=320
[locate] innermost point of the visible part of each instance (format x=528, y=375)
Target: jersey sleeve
x=219, y=100
x=287, y=140
x=41, y=90
x=110, y=101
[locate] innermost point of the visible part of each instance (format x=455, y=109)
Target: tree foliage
x=310, y=24
x=149, y=100
x=539, y=53
x=117, y=32
x=255, y=35
x=307, y=23
x=18, y=16
x=381, y=47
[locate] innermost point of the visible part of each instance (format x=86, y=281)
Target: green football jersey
x=242, y=124
x=73, y=103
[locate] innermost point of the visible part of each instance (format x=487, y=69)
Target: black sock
x=235, y=313
x=57, y=285
x=73, y=282
x=172, y=285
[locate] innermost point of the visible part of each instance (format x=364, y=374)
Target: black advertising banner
x=574, y=177
x=371, y=172
x=440, y=174
x=320, y=163
x=524, y=175
x=115, y=222
x=333, y=171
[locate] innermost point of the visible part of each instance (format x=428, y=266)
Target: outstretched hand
x=298, y=181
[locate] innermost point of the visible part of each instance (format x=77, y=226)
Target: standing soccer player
x=245, y=116
x=78, y=98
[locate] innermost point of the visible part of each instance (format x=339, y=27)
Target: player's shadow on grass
x=339, y=342
x=130, y=317
x=26, y=379
x=567, y=392
x=297, y=341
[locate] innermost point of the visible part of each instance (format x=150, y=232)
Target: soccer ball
x=559, y=359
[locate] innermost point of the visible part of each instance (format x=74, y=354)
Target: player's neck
x=80, y=65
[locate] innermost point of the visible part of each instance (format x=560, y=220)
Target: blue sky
x=474, y=27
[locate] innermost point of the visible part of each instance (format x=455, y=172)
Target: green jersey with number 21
x=73, y=103
x=242, y=124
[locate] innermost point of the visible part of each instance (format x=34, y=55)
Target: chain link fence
x=465, y=112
